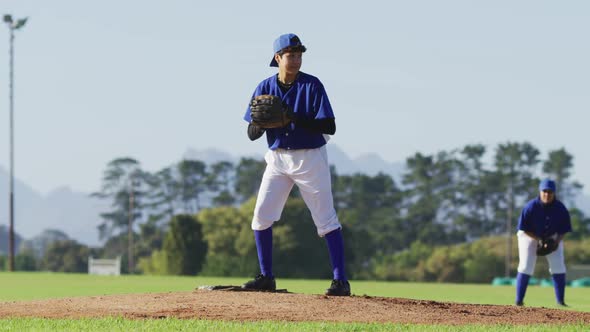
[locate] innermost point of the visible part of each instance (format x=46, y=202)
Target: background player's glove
x=546, y=246
x=269, y=111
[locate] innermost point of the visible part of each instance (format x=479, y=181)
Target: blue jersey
x=308, y=100
x=544, y=220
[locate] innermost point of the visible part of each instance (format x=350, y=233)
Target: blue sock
x=559, y=286
x=522, y=281
x=336, y=249
x=264, y=249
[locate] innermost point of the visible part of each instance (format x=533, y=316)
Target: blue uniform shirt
x=544, y=220
x=308, y=100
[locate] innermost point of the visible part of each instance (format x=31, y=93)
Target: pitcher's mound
x=231, y=288
x=254, y=306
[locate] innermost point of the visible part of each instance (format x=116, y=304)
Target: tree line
x=194, y=218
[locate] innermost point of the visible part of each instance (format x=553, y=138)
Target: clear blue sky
x=97, y=80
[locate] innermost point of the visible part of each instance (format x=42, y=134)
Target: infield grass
x=119, y=324
x=18, y=286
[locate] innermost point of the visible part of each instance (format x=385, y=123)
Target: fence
x=108, y=267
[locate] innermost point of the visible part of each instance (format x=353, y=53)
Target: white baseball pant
x=310, y=171
x=527, y=255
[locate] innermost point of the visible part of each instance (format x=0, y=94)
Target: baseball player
x=296, y=155
x=541, y=227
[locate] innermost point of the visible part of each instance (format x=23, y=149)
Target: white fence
x=106, y=267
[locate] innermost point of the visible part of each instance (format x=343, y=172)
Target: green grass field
x=29, y=286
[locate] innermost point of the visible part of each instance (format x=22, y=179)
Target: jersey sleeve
x=566, y=225
x=321, y=104
x=524, y=222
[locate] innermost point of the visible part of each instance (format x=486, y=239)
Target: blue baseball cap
x=547, y=184
x=284, y=41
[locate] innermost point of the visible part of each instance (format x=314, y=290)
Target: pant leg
x=272, y=195
x=556, y=260
x=527, y=253
x=315, y=184
x=557, y=269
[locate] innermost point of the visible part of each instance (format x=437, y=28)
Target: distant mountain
x=370, y=164
x=209, y=156
x=75, y=213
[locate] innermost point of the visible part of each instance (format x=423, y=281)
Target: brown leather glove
x=269, y=111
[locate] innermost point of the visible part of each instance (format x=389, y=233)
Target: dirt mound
x=252, y=306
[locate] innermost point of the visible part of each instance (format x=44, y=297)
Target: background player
x=541, y=218
x=296, y=155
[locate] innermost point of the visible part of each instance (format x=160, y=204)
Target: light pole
x=12, y=26
x=130, y=262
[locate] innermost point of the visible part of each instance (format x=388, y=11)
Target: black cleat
x=261, y=283
x=520, y=304
x=339, y=288
x=562, y=304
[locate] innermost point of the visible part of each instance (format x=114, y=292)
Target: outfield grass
x=28, y=286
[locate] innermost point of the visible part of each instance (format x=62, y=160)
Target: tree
x=475, y=188
x=558, y=166
x=515, y=165
x=220, y=181
x=123, y=182
x=184, y=246
x=430, y=184
x=369, y=207
x=248, y=177
x=580, y=224
x=151, y=237
x=192, y=180
x=408, y=264
x=298, y=250
x=156, y=264
x=162, y=194
x=25, y=261
x=230, y=242
x=117, y=245
x=38, y=244
x=66, y=256
x=366, y=193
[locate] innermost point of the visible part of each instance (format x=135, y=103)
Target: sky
x=97, y=80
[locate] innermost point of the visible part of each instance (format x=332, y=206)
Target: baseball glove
x=269, y=111
x=546, y=246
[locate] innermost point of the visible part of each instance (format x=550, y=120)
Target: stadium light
x=12, y=26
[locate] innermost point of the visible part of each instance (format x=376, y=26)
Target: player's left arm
x=322, y=118
x=566, y=227
x=321, y=126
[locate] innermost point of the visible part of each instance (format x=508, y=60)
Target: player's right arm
x=525, y=223
x=253, y=131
